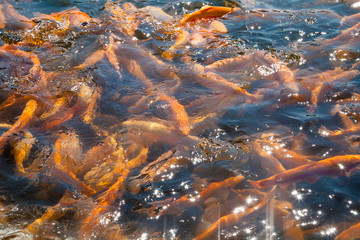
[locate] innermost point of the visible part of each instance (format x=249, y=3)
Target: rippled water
x=113, y=129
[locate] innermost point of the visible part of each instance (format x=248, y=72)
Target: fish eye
x=84, y=24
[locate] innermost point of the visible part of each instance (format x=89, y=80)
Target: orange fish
x=135, y=69
x=272, y=149
x=232, y=218
x=21, y=150
x=24, y=120
x=320, y=83
x=285, y=219
x=351, y=233
x=259, y=63
x=207, y=12
x=51, y=214
x=182, y=38
x=154, y=169
x=79, y=208
x=345, y=40
x=218, y=189
x=11, y=19
x=70, y=178
x=100, y=54
x=31, y=65
x=330, y=167
x=349, y=128
x=67, y=152
x=139, y=160
x=70, y=18
x=104, y=203
x=195, y=36
x=180, y=116
x=157, y=130
x=268, y=162
x=67, y=158
x=97, y=154
x=218, y=83
x=125, y=19
x=89, y=98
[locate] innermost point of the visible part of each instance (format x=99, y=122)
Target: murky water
x=123, y=120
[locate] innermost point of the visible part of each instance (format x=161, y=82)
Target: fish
x=111, y=166
x=179, y=114
x=91, y=110
x=182, y=39
x=284, y=219
x=31, y=69
x=350, y=128
x=319, y=84
x=217, y=83
x=217, y=27
x=70, y=178
x=345, y=40
x=219, y=189
x=153, y=169
x=56, y=121
x=26, y=117
x=149, y=64
x=69, y=18
x=67, y=153
x=125, y=19
x=51, y=214
x=21, y=150
x=10, y=19
x=260, y=63
x=155, y=13
x=78, y=207
x=139, y=160
x=59, y=104
x=67, y=157
x=288, y=158
x=107, y=53
x=312, y=172
x=207, y=12
x=89, y=98
x=101, y=177
x=195, y=36
x=259, y=155
x=157, y=129
x=104, y=202
x=134, y=68
x=351, y=233
x=155, y=173
x=52, y=27
x=97, y=154
x=233, y=218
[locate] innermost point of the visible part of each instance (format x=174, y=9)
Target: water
x=110, y=130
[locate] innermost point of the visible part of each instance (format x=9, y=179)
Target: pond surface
x=132, y=120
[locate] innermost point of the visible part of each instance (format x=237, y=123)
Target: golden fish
x=24, y=120
x=69, y=18
x=11, y=19
x=179, y=116
x=215, y=189
x=232, y=218
x=311, y=172
x=351, y=233
x=104, y=202
x=207, y=12
x=21, y=150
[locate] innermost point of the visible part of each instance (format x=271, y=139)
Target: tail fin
x=256, y=184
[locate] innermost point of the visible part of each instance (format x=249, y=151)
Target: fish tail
x=256, y=184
